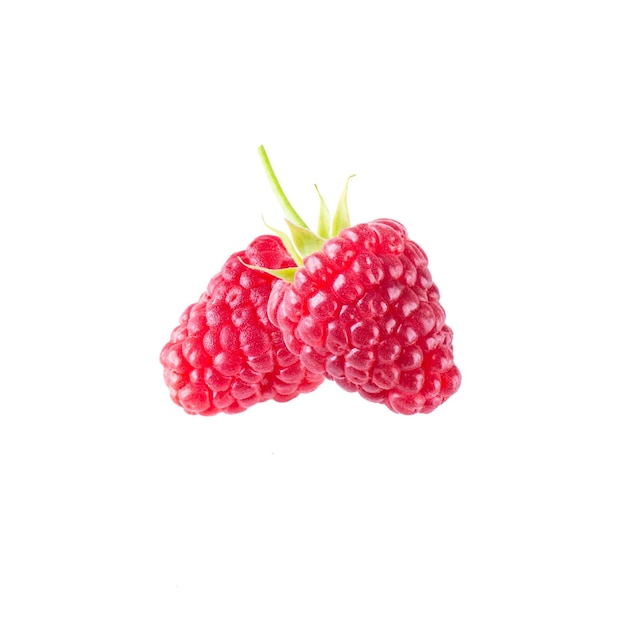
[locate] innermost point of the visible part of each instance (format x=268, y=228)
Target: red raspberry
x=225, y=355
x=362, y=310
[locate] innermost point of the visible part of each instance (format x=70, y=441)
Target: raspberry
x=369, y=319
x=361, y=309
x=225, y=355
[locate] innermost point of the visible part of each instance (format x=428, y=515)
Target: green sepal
x=290, y=213
x=287, y=274
x=323, y=222
x=341, y=219
x=305, y=240
x=284, y=237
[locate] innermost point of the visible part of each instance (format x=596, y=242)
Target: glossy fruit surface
x=225, y=355
x=364, y=312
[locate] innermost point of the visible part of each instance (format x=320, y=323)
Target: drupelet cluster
x=225, y=355
x=365, y=313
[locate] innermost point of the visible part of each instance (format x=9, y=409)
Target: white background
x=128, y=173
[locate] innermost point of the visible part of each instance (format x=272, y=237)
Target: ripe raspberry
x=225, y=355
x=362, y=310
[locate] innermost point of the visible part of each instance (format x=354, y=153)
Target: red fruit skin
x=225, y=355
x=365, y=313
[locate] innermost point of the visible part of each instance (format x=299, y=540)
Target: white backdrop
x=128, y=173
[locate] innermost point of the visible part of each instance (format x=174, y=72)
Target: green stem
x=288, y=210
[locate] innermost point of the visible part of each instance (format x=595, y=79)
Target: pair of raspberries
x=352, y=304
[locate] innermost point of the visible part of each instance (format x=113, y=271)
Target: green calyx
x=301, y=240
